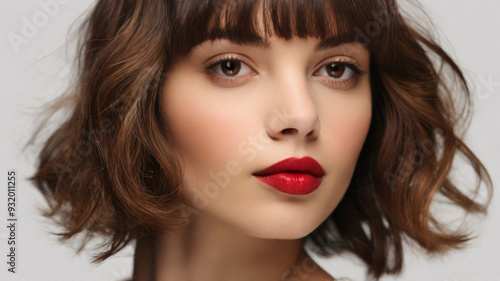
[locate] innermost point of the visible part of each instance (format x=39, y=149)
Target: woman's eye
x=337, y=70
x=231, y=68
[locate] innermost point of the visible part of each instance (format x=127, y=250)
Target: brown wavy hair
x=110, y=169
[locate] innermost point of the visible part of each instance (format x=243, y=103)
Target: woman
x=223, y=137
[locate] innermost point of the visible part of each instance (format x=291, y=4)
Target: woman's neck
x=207, y=250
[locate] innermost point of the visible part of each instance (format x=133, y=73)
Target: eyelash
x=338, y=83
x=330, y=81
x=225, y=81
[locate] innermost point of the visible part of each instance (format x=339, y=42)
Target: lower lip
x=292, y=183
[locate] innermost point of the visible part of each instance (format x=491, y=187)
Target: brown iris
x=230, y=67
x=335, y=70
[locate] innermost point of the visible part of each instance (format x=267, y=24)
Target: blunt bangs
x=254, y=21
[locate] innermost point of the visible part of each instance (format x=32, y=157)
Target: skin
x=227, y=125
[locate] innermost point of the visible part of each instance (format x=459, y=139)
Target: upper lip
x=305, y=165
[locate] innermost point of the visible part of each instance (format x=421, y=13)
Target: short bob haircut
x=110, y=169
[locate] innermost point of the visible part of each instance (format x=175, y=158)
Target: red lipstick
x=297, y=176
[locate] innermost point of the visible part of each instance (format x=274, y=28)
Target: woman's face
x=236, y=109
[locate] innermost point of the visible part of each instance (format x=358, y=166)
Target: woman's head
x=235, y=109
x=120, y=165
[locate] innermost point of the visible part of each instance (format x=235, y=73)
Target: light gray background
x=39, y=71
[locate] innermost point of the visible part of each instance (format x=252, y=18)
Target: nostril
x=312, y=134
x=289, y=131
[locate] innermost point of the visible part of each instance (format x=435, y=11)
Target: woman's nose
x=295, y=114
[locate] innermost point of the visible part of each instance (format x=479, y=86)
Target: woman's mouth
x=297, y=176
